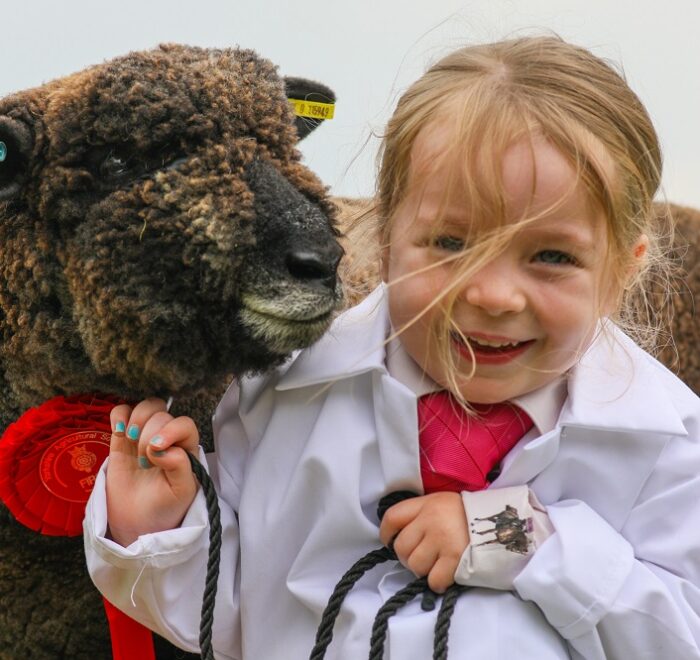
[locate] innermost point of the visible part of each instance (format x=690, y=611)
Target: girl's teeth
x=492, y=344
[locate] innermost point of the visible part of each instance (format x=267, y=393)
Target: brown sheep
x=158, y=232
x=360, y=272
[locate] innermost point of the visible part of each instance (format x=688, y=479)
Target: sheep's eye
x=15, y=151
x=120, y=164
x=114, y=167
x=8, y=166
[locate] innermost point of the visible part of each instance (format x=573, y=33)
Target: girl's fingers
x=397, y=517
x=140, y=415
x=408, y=539
x=176, y=467
x=127, y=425
x=118, y=419
x=150, y=429
x=179, y=433
x=422, y=559
x=442, y=574
x=168, y=449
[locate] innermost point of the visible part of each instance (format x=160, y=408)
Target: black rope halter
x=324, y=633
x=213, y=560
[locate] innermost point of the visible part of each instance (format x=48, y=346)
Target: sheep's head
x=157, y=229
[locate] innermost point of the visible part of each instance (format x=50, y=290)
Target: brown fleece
x=143, y=200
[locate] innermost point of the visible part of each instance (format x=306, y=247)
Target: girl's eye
x=556, y=257
x=450, y=243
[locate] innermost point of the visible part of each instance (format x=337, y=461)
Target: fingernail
x=133, y=432
x=119, y=427
x=160, y=453
x=144, y=463
x=156, y=441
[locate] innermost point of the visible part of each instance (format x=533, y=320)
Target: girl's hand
x=430, y=534
x=150, y=485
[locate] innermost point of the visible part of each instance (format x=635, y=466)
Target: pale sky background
x=368, y=51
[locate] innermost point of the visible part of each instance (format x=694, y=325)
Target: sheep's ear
x=312, y=102
x=16, y=144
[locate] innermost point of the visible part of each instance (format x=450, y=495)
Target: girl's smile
x=489, y=349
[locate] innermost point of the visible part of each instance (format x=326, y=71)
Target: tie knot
x=460, y=448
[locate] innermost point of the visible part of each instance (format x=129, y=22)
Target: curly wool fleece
x=157, y=233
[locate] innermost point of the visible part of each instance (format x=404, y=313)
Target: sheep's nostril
x=312, y=267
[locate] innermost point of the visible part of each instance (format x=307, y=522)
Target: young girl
x=515, y=206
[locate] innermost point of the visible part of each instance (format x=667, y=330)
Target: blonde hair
x=491, y=95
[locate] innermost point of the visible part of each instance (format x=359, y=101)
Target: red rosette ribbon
x=49, y=459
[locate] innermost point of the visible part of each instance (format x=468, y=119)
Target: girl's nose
x=496, y=290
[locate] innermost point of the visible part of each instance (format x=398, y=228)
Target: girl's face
x=530, y=311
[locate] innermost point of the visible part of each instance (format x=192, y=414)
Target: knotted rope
x=324, y=633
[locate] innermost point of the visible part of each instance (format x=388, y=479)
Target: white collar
x=354, y=344
x=615, y=372
x=543, y=405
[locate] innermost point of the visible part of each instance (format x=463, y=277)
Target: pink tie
x=459, y=450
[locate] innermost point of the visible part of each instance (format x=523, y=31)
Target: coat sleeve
x=632, y=593
x=159, y=579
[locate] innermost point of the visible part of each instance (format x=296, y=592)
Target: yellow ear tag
x=312, y=109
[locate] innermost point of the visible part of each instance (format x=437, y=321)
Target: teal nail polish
x=133, y=432
x=156, y=441
x=144, y=463
x=120, y=427
x=160, y=453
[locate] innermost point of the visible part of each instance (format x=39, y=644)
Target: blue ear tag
x=3, y=152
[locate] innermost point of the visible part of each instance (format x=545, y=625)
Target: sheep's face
x=158, y=222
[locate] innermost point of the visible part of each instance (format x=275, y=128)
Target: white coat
x=303, y=455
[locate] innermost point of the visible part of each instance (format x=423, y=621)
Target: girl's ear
x=615, y=292
x=639, y=251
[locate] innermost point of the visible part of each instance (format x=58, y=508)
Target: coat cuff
x=161, y=549
x=506, y=526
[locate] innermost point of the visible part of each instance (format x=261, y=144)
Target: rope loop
x=324, y=634
x=381, y=621
x=444, y=618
